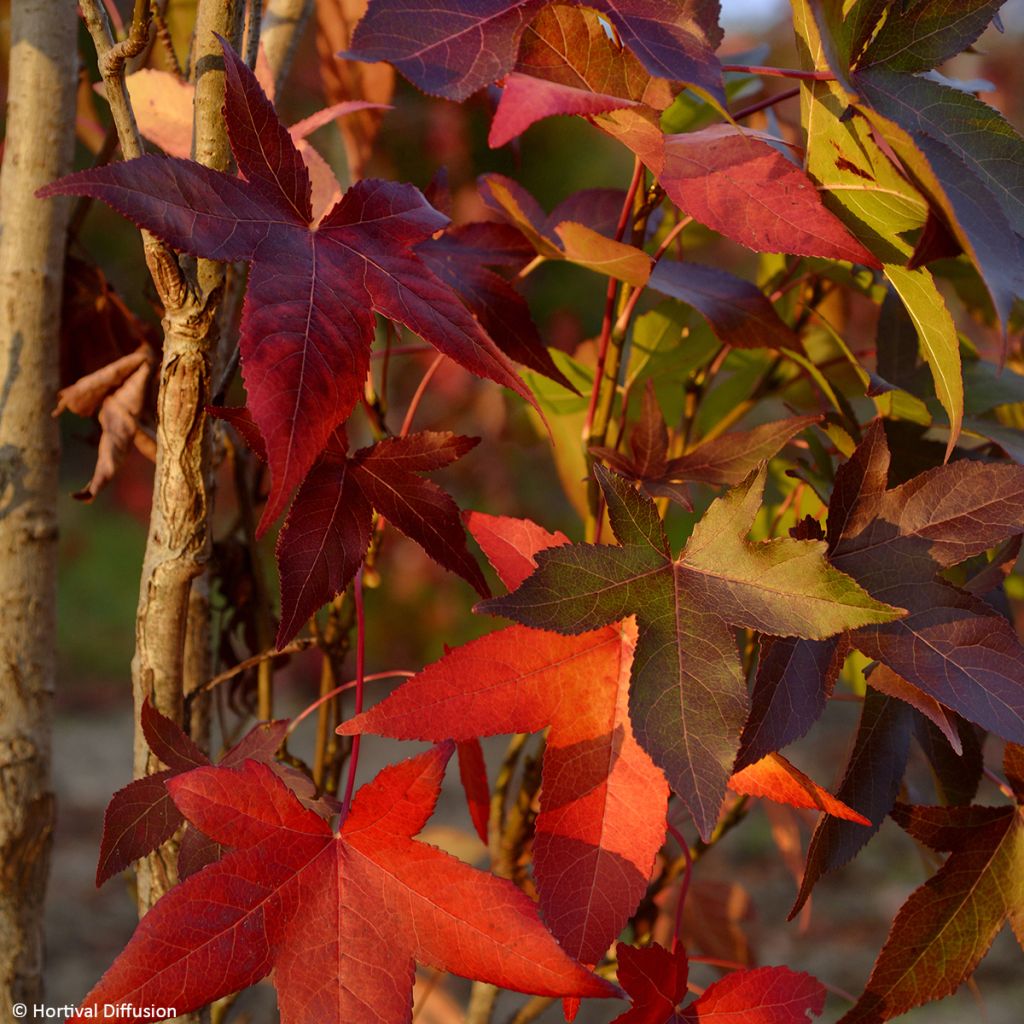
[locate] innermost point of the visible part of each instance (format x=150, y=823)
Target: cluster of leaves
x=676, y=663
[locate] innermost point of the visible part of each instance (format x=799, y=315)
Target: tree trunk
x=38, y=147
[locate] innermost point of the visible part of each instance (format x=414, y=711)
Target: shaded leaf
x=895, y=542
x=307, y=322
x=687, y=695
x=465, y=46
x=738, y=311
x=945, y=927
x=794, y=680
x=925, y=34
x=328, y=529
x=461, y=258
x=870, y=784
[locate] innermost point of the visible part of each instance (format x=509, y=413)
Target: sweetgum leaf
x=739, y=312
x=947, y=166
x=307, y=324
x=945, y=927
x=142, y=816
x=461, y=258
x=555, y=236
x=467, y=44
x=870, y=784
x=655, y=980
x=895, y=543
x=794, y=680
x=328, y=529
x=603, y=802
x=688, y=699
x=737, y=183
x=568, y=64
x=340, y=919
x=925, y=34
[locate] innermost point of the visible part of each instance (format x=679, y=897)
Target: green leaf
x=688, y=698
x=937, y=336
x=928, y=32
x=857, y=180
x=940, y=166
x=973, y=130
x=565, y=414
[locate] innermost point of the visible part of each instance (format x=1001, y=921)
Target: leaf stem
x=353, y=761
x=421, y=389
x=768, y=101
x=344, y=688
x=773, y=72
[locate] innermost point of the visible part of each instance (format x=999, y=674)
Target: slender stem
x=684, y=885
x=609, y=304
x=531, y=267
x=293, y=648
x=398, y=673
x=771, y=72
x=531, y=1010
x=353, y=761
x=1003, y=787
x=768, y=101
x=417, y=397
x=254, y=16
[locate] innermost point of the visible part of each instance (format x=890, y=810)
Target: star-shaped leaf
x=308, y=322
x=327, y=533
x=467, y=44
x=656, y=981
x=945, y=927
x=339, y=918
x=142, y=815
x=687, y=698
x=895, y=543
x=603, y=802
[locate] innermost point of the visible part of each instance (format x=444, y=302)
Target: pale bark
x=40, y=127
x=283, y=22
x=178, y=545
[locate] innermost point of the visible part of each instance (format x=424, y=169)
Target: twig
x=293, y=648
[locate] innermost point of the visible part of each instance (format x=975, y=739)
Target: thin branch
x=293, y=648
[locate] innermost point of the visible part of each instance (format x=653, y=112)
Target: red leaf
x=168, y=741
x=602, y=805
x=458, y=259
x=526, y=100
x=339, y=919
x=329, y=525
x=510, y=544
x=765, y=995
x=774, y=778
x=467, y=44
x=736, y=182
x=307, y=323
x=473, y=775
x=142, y=815
x=655, y=980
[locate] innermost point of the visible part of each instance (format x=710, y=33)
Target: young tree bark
x=38, y=147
